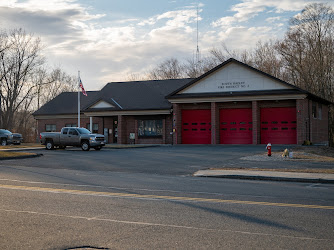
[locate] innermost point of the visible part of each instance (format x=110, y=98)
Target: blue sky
x=108, y=40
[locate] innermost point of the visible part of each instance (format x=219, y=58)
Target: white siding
x=102, y=104
x=233, y=78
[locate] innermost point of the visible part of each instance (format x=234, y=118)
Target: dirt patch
x=312, y=157
x=323, y=154
x=316, y=150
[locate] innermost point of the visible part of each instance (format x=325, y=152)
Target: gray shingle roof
x=141, y=95
x=66, y=103
x=137, y=95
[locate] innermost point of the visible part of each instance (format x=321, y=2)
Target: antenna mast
x=197, y=48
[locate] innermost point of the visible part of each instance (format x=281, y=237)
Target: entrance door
x=278, y=126
x=236, y=126
x=196, y=126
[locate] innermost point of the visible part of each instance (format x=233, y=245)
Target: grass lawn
x=23, y=145
x=5, y=154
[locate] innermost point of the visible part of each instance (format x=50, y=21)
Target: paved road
x=147, y=199
x=165, y=160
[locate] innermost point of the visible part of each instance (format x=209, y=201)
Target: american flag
x=82, y=88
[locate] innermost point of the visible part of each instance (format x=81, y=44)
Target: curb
x=115, y=147
x=21, y=149
x=270, y=178
x=21, y=157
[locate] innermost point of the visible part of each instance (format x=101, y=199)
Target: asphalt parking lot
x=162, y=160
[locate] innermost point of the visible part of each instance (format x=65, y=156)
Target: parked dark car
x=7, y=137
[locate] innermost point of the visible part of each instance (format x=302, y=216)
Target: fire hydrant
x=269, y=149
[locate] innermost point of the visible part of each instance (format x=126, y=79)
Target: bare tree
x=49, y=85
x=308, y=50
x=4, y=45
x=193, y=69
x=223, y=53
x=26, y=84
x=17, y=64
x=308, y=53
x=168, y=69
x=266, y=58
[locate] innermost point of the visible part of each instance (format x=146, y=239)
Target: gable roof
x=290, y=89
x=220, y=66
x=138, y=95
x=135, y=95
x=66, y=103
x=155, y=94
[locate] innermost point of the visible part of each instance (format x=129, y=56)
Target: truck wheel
x=85, y=146
x=98, y=148
x=3, y=142
x=49, y=145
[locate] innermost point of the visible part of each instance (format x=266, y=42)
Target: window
x=95, y=127
x=83, y=131
x=314, y=110
x=50, y=127
x=65, y=130
x=73, y=132
x=150, y=128
x=320, y=111
x=4, y=131
x=71, y=125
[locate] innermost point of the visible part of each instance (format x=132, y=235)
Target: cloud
x=103, y=53
x=107, y=50
x=242, y=38
x=177, y=18
x=248, y=9
x=39, y=22
x=273, y=19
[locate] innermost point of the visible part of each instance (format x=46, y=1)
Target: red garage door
x=196, y=126
x=278, y=126
x=236, y=126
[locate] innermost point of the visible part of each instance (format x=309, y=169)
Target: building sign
x=132, y=136
x=233, y=85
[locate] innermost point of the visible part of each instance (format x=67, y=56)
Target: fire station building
x=233, y=103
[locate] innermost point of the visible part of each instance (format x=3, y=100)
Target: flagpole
x=79, y=99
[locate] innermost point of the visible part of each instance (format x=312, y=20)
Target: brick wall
x=177, y=115
x=309, y=128
x=130, y=125
x=302, y=121
x=313, y=129
x=319, y=125
x=277, y=104
x=108, y=122
x=121, y=132
x=234, y=105
x=256, y=122
x=169, y=129
x=214, y=123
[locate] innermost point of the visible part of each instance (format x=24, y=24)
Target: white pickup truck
x=69, y=136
